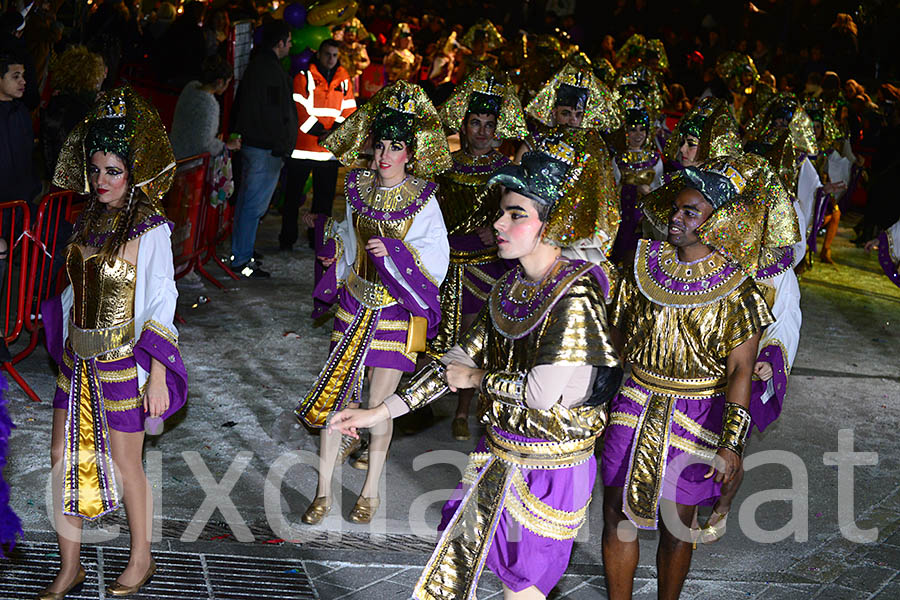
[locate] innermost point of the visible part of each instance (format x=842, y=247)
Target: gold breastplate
x=366, y=228
x=103, y=308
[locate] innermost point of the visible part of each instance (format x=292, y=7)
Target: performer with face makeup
x=541, y=357
x=706, y=131
x=385, y=263
x=691, y=320
x=111, y=331
x=484, y=109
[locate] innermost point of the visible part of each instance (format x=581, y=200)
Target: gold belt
x=91, y=343
x=708, y=387
x=541, y=455
x=369, y=293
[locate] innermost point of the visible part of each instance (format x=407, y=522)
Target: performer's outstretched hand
x=350, y=420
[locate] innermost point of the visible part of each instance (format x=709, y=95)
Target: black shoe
x=251, y=270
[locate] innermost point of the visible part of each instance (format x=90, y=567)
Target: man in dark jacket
x=267, y=121
x=16, y=135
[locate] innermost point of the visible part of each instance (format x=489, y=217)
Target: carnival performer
x=120, y=370
x=705, y=131
x=354, y=57
x=480, y=40
x=385, y=263
x=833, y=162
x=737, y=73
x=888, y=244
x=573, y=97
x=483, y=109
x=638, y=169
x=783, y=133
x=401, y=63
x=691, y=319
x=542, y=359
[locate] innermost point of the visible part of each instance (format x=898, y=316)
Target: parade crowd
x=605, y=274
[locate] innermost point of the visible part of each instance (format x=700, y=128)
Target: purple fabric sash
x=414, y=277
x=153, y=345
x=628, y=236
x=764, y=414
x=10, y=525
x=884, y=257
x=325, y=290
x=819, y=212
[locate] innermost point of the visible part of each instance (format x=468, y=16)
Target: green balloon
x=317, y=35
x=300, y=40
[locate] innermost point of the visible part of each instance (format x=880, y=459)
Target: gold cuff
x=735, y=428
x=504, y=385
x=426, y=386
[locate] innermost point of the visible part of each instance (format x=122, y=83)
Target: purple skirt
x=123, y=403
x=519, y=557
x=689, y=487
x=388, y=345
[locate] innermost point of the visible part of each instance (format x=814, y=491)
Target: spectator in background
x=195, y=127
x=267, y=120
x=16, y=135
x=678, y=101
x=216, y=29
x=842, y=46
x=12, y=44
x=182, y=49
x=160, y=21
x=78, y=75
x=324, y=98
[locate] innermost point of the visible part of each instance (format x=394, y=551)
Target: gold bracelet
x=735, y=428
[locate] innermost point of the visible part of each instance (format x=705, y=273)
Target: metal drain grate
x=180, y=575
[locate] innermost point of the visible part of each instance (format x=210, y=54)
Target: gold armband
x=735, y=428
x=505, y=385
x=426, y=386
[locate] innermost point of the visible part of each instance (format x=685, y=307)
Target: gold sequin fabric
x=431, y=154
x=761, y=217
x=467, y=202
x=731, y=65
x=601, y=112
x=719, y=133
x=510, y=121
x=686, y=338
x=642, y=81
x=821, y=112
x=151, y=162
x=638, y=49
x=492, y=38
x=762, y=126
x=589, y=205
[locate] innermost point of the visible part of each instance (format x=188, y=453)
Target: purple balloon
x=300, y=62
x=295, y=15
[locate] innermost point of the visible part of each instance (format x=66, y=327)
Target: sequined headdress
x=403, y=110
x=400, y=30
x=638, y=49
x=642, y=81
x=731, y=66
x=124, y=123
x=601, y=111
x=753, y=212
x=569, y=171
x=819, y=112
x=604, y=70
x=762, y=128
x=711, y=122
x=486, y=92
x=485, y=31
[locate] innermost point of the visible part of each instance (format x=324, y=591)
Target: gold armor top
x=103, y=308
x=680, y=321
x=380, y=212
x=465, y=198
x=560, y=320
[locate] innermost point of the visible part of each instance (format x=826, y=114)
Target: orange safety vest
x=319, y=101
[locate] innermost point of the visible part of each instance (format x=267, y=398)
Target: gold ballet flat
x=364, y=510
x=362, y=461
x=75, y=587
x=317, y=511
x=349, y=445
x=118, y=590
x=714, y=528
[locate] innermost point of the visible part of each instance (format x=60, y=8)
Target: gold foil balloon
x=332, y=13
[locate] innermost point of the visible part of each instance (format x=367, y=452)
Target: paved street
x=252, y=352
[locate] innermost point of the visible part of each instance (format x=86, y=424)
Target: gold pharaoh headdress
x=820, y=112
x=640, y=80
x=638, y=49
x=123, y=122
x=486, y=92
x=758, y=217
x=731, y=65
x=601, y=111
x=783, y=106
x=711, y=122
x=485, y=29
x=401, y=109
x=604, y=70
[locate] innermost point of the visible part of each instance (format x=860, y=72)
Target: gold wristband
x=735, y=428
x=505, y=385
x=427, y=385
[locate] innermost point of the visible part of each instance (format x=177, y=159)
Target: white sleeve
x=67, y=299
x=807, y=184
x=838, y=169
x=893, y=234
x=343, y=230
x=785, y=331
x=658, y=178
x=155, y=294
x=800, y=247
x=427, y=239
x=617, y=174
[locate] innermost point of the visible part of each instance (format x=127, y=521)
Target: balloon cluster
x=312, y=27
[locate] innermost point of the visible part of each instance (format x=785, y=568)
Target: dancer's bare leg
x=529, y=593
x=620, y=546
x=68, y=529
x=384, y=383
x=127, y=451
x=673, y=555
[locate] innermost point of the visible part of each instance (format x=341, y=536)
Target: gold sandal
x=364, y=510
x=317, y=511
x=361, y=462
x=714, y=528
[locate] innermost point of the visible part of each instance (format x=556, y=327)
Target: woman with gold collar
x=385, y=263
x=541, y=357
x=120, y=363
